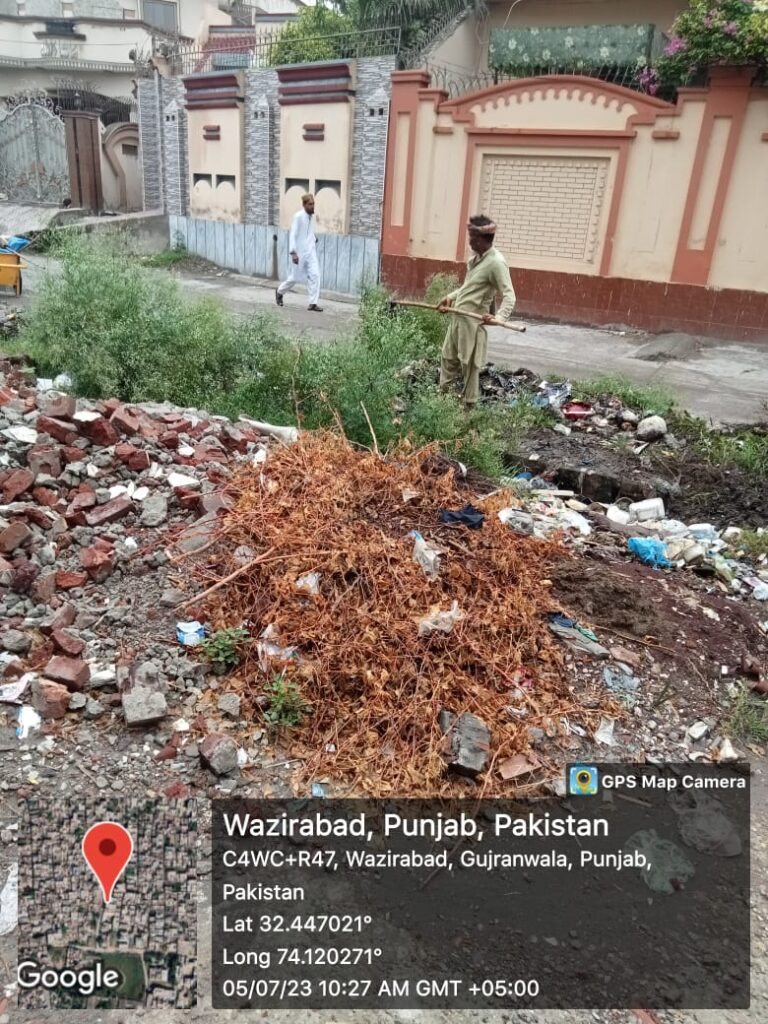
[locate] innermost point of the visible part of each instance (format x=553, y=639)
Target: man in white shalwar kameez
x=303, y=251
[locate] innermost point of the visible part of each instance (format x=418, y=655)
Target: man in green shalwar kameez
x=466, y=342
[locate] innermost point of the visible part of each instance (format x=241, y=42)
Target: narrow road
x=722, y=381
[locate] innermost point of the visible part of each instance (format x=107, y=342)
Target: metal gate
x=33, y=152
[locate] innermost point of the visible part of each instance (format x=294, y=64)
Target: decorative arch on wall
x=119, y=135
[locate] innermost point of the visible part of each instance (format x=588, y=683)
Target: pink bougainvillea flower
x=731, y=28
x=674, y=46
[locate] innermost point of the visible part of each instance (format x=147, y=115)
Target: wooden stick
x=520, y=328
x=227, y=579
x=370, y=427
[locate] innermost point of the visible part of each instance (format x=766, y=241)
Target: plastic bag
x=427, y=556
x=649, y=550
x=440, y=621
x=668, y=868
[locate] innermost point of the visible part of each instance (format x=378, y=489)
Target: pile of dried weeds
x=375, y=687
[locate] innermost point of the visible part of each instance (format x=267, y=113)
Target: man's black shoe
x=278, y=297
x=315, y=308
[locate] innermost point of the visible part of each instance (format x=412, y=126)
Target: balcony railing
x=268, y=50
x=459, y=82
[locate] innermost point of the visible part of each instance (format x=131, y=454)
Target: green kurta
x=466, y=342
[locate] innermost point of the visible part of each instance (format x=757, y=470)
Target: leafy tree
x=316, y=35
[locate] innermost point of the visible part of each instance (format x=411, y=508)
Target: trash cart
x=11, y=265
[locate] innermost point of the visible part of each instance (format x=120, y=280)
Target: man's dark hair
x=481, y=221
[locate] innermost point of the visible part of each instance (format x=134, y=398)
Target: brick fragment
x=73, y=672
x=59, y=429
x=109, y=512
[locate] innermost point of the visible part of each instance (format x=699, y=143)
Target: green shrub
x=122, y=331
x=286, y=706
x=223, y=649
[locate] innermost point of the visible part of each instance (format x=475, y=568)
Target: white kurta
x=303, y=242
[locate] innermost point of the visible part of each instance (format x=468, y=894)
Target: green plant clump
x=166, y=257
x=286, y=706
x=223, y=649
x=749, y=717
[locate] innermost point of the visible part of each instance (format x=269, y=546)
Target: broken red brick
x=45, y=496
x=6, y=572
x=71, y=454
x=169, y=439
x=70, y=643
x=80, y=504
x=98, y=564
x=139, y=461
x=25, y=573
x=61, y=618
x=73, y=672
x=44, y=458
x=19, y=481
x=110, y=405
x=110, y=512
x=61, y=407
x=44, y=588
x=125, y=421
x=13, y=537
x=234, y=439
x=70, y=580
x=6, y=396
x=59, y=429
x=104, y=544
x=40, y=516
x=50, y=699
x=99, y=430
x=125, y=450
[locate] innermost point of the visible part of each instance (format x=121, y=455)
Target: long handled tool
x=520, y=328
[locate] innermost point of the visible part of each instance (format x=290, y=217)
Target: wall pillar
x=84, y=157
x=401, y=153
x=721, y=129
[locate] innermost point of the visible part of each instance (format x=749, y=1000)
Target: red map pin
x=107, y=848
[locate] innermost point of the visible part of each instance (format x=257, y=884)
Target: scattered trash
x=667, y=869
x=190, y=634
x=28, y=720
x=618, y=515
x=467, y=516
x=409, y=494
x=650, y=551
x=704, y=824
x=9, y=902
x=440, y=621
x=516, y=766
x=518, y=520
x=577, y=410
x=267, y=649
x=623, y=684
x=567, y=519
x=651, y=508
x=427, y=556
x=577, y=636
x=318, y=790
x=726, y=752
x=604, y=732
x=181, y=725
x=288, y=435
x=469, y=743
x=10, y=693
x=309, y=582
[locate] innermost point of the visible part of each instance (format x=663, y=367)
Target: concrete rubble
x=95, y=499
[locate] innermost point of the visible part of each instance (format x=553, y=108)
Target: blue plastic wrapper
x=649, y=550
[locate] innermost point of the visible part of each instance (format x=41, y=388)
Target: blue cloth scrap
x=467, y=516
x=650, y=551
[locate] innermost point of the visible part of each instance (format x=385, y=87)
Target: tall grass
x=122, y=331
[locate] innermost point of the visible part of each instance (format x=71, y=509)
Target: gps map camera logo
x=583, y=780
